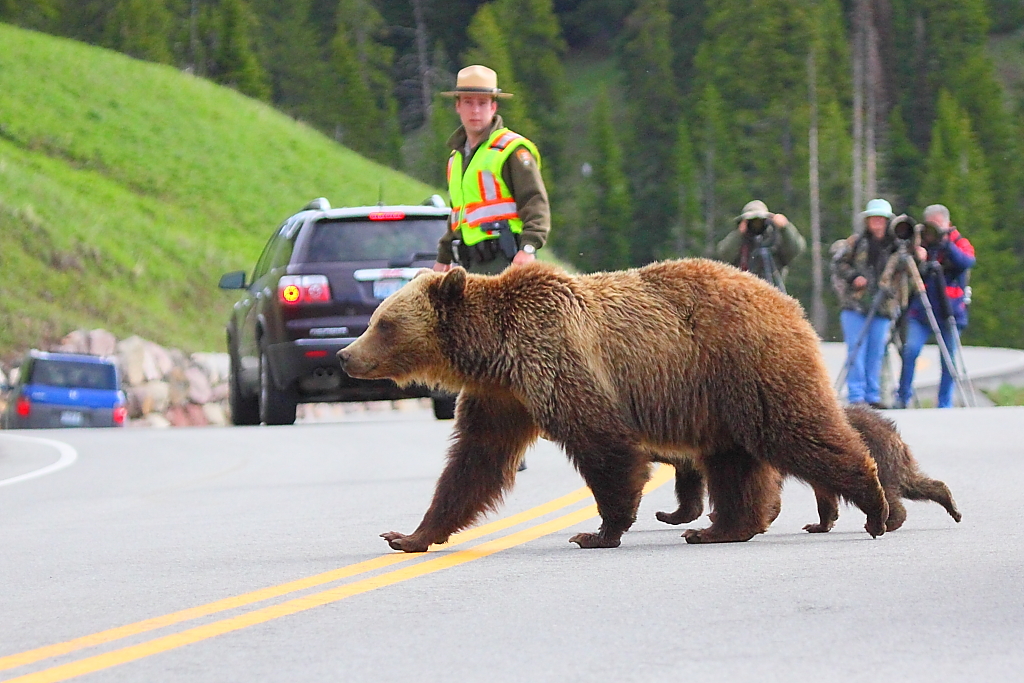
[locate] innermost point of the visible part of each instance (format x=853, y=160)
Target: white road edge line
x=68, y=456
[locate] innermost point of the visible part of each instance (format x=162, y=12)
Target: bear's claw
x=817, y=528
x=594, y=541
x=680, y=516
x=405, y=543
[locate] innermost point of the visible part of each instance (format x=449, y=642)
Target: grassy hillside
x=127, y=188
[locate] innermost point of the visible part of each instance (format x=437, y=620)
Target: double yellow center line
x=426, y=566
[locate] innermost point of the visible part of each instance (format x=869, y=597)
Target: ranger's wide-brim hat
x=477, y=80
x=754, y=209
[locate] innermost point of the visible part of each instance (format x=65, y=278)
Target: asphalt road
x=146, y=524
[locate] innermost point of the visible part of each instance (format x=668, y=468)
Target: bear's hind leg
x=923, y=488
x=828, y=511
x=616, y=475
x=897, y=513
x=744, y=494
x=837, y=464
x=491, y=435
x=689, y=495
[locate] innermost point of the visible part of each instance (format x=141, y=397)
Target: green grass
x=127, y=188
x=1006, y=395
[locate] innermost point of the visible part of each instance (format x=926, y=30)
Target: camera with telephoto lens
x=932, y=234
x=757, y=226
x=905, y=230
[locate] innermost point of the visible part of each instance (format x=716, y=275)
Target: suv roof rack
x=318, y=204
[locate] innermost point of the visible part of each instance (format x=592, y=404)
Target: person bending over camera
x=763, y=243
x=945, y=257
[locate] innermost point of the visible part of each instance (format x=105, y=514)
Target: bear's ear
x=452, y=286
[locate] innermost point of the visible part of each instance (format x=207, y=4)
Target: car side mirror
x=233, y=280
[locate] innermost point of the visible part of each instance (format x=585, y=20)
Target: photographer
x=945, y=257
x=866, y=300
x=763, y=243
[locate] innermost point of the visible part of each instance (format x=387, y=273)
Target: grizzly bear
x=897, y=472
x=692, y=360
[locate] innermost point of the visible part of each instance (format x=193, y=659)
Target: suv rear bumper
x=311, y=365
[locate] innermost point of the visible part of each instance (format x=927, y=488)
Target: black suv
x=321, y=275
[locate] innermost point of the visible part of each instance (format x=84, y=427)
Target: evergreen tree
x=653, y=103
x=720, y=178
x=236, y=63
x=37, y=14
x=604, y=244
x=491, y=49
x=689, y=233
x=956, y=175
x=364, y=101
x=535, y=49
x=139, y=28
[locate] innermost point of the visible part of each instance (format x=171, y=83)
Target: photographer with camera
x=944, y=258
x=763, y=243
x=861, y=269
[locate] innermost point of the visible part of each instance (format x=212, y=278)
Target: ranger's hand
x=860, y=282
x=522, y=258
x=442, y=267
x=779, y=220
x=922, y=253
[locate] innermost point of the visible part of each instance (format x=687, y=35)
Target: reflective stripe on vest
x=480, y=195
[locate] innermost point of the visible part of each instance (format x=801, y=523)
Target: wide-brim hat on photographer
x=754, y=209
x=878, y=207
x=477, y=80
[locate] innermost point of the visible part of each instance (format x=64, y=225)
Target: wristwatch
x=529, y=249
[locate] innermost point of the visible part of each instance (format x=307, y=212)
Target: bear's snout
x=354, y=365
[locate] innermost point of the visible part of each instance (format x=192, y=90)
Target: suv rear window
x=73, y=375
x=374, y=240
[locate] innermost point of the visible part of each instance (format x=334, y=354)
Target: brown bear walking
x=692, y=360
x=897, y=472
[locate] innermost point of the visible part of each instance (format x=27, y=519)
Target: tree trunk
x=872, y=85
x=422, y=42
x=818, y=317
x=858, y=113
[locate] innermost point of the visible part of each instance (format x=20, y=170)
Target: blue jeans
x=864, y=377
x=918, y=332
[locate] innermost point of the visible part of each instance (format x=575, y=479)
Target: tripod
x=970, y=397
x=768, y=269
x=957, y=372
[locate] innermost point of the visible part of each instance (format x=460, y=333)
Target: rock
x=177, y=416
x=215, y=414
x=131, y=356
x=101, y=343
x=220, y=392
x=161, y=359
x=139, y=403
x=76, y=341
x=216, y=365
x=178, y=385
x=196, y=416
x=158, y=394
x=198, y=385
x=157, y=421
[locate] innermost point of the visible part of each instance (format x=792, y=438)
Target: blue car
x=57, y=390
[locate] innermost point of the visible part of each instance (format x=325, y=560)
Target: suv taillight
x=23, y=406
x=120, y=413
x=303, y=289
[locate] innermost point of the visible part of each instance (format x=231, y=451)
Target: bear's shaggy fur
x=691, y=360
x=897, y=472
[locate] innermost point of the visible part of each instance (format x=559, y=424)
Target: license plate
x=382, y=289
x=71, y=418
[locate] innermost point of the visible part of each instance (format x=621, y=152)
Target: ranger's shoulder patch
x=524, y=156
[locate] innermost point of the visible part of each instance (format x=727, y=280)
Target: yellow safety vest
x=480, y=195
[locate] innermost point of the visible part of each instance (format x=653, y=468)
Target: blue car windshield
x=73, y=374
x=363, y=240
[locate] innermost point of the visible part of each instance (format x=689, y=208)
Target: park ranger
x=500, y=213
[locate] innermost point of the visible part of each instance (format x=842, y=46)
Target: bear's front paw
x=818, y=528
x=875, y=527
x=594, y=541
x=409, y=544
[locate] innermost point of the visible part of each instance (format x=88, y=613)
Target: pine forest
x=657, y=120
